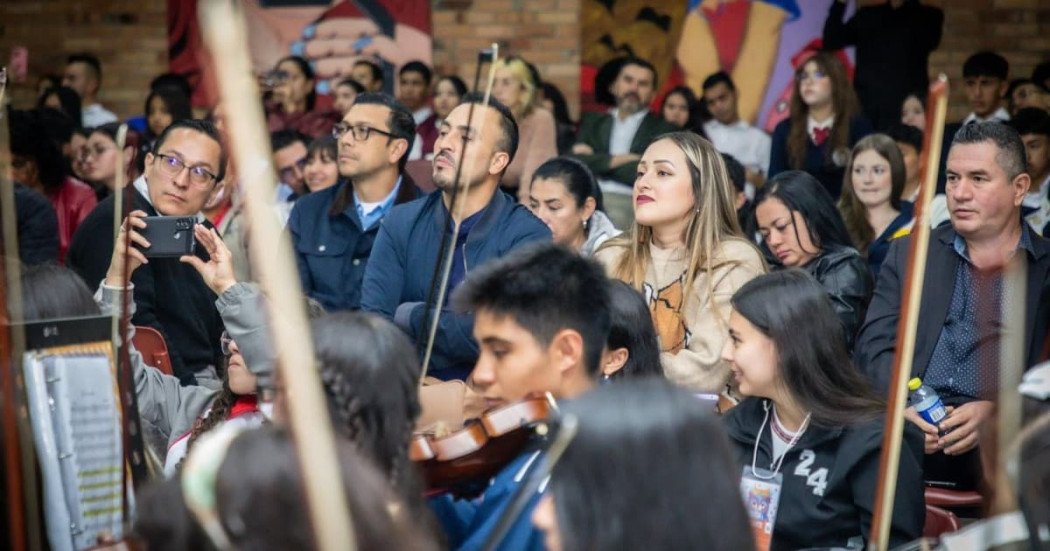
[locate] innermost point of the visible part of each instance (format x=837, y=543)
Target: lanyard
x=774, y=467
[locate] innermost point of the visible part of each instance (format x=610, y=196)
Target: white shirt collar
x=812, y=125
x=1035, y=199
x=715, y=123
x=421, y=115
x=1001, y=114
x=143, y=188
x=637, y=117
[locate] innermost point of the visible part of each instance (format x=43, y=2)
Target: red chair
x=150, y=343
x=952, y=498
x=939, y=522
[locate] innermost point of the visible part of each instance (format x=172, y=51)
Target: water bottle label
x=934, y=414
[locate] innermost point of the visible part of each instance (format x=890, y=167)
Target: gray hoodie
x=599, y=230
x=171, y=409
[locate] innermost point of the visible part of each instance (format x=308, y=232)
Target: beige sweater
x=692, y=331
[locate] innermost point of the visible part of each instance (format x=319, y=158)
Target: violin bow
x=134, y=448
x=118, y=220
x=23, y=524
x=893, y=431
x=226, y=37
x=439, y=282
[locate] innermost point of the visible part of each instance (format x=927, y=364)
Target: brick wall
x=545, y=32
x=129, y=37
x=1018, y=29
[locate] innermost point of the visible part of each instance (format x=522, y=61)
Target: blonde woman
x=515, y=86
x=685, y=252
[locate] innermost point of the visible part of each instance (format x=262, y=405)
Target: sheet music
x=77, y=430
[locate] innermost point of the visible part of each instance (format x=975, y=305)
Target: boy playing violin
x=537, y=334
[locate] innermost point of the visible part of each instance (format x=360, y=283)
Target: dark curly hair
x=370, y=373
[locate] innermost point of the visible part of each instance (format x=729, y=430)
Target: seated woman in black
x=811, y=423
x=802, y=229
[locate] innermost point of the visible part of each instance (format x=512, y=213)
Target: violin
x=453, y=462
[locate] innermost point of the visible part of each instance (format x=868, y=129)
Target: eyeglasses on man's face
x=361, y=132
x=173, y=166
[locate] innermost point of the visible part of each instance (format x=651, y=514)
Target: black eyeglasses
x=360, y=131
x=172, y=166
x=288, y=173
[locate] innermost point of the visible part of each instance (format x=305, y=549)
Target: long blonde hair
x=713, y=219
x=521, y=71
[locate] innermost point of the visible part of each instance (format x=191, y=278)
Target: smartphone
x=168, y=236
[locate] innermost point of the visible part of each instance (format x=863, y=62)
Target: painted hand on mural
x=335, y=44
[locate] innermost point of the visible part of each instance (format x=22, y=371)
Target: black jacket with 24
x=830, y=480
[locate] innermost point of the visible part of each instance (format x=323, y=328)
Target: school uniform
x=820, y=163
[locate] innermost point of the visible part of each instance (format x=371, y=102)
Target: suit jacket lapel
x=643, y=137
x=1038, y=271
x=936, y=297
x=605, y=126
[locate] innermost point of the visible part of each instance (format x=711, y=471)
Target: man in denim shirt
x=333, y=229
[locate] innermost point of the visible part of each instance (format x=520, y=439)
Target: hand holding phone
x=127, y=259
x=217, y=272
x=168, y=236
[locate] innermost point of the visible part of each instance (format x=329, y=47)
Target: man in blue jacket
x=537, y=337
x=405, y=255
x=333, y=229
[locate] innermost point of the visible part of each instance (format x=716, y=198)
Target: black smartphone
x=168, y=236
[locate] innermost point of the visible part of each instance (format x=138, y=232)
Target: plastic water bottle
x=926, y=401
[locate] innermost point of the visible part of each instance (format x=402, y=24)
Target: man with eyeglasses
x=404, y=257
x=183, y=170
x=289, y=160
x=333, y=229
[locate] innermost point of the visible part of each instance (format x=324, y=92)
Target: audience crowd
x=637, y=266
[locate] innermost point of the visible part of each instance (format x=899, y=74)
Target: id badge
x=761, y=497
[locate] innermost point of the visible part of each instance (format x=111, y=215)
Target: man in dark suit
x=612, y=143
x=957, y=345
